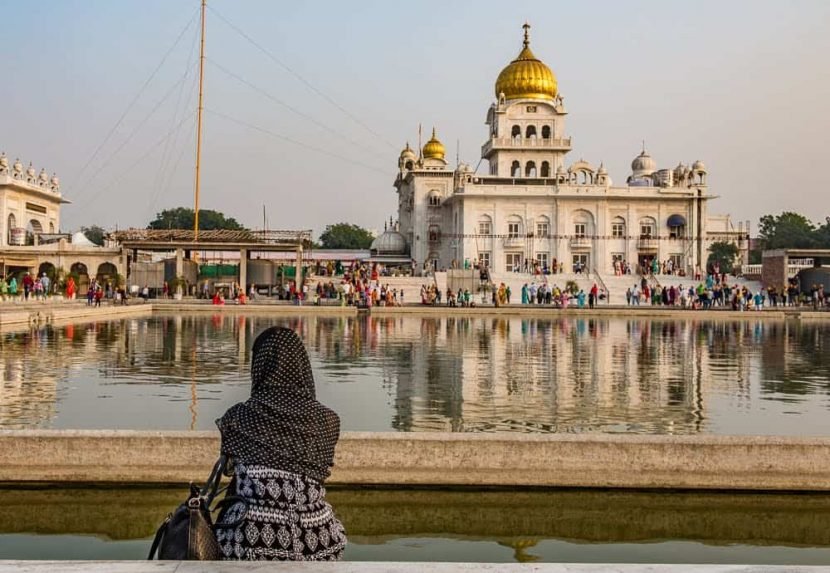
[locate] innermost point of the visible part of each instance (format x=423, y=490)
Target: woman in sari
x=280, y=444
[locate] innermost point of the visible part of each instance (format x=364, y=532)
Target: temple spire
x=526, y=28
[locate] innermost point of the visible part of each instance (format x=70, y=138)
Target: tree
x=182, y=218
x=95, y=234
x=787, y=231
x=345, y=236
x=723, y=254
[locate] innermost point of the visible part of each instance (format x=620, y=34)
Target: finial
x=526, y=28
x=644, y=147
x=433, y=132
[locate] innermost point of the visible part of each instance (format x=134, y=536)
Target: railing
x=514, y=241
x=523, y=142
x=647, y=244
x=580, y=243
x=603, y=286
x=792, y=269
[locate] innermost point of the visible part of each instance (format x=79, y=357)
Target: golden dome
x=526, y=76
x=434, y=149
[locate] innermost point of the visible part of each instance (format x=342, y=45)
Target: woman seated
x=280, y=444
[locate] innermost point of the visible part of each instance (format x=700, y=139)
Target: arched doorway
x=81, y=274
x=49, y=270
x=107, y=273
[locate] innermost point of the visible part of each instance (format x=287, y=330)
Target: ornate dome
x=407, y=153
x=434, y=149
x=643, y=164
x=390, y=242
x=698, y=166
x=526, y=76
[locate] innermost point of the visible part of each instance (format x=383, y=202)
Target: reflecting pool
x=407, y=373
x=431, y=525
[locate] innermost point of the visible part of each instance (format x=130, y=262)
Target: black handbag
x=187, y=533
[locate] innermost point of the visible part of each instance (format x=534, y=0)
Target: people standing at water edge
x=280, y=444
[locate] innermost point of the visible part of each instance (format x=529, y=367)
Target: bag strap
x=159, y=535
x=208, y=492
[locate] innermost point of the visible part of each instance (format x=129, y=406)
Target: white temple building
x=534, y=206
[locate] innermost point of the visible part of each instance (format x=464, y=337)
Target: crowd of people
x=29, y=287
x=716, y=292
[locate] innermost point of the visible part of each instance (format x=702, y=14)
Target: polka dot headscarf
x=281, y=425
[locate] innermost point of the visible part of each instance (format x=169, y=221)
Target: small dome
x=602, y=170
x=643, y=164
x=31, y=170
x=56, y=180
x=18, y=167
x=698, y=166
x=681, y=170
x=4, y=161
x=526, y=76
x=43, y=176
x=407, y=153
x=434, y=149
x=389, y=243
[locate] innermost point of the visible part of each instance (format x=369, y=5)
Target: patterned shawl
x=281, y=425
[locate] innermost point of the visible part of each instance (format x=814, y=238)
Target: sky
x=308, y=104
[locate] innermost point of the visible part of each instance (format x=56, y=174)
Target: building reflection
x=457, y=374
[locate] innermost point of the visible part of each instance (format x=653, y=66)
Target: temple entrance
x=580, y=263
x=645, y=262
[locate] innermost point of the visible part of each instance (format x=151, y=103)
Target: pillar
x=298, y=269
x=179, y=262
x=243, y=270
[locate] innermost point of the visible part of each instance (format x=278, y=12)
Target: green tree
x=345, y=236
x=182, y=218
x=823, y=235
x=723, y=254
x=95, y=234
x=787, y=231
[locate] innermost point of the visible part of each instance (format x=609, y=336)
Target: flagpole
x=199, y=127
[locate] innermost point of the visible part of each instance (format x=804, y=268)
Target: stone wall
x=433, y=459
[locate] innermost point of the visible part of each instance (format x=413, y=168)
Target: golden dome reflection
x=526, y=76
x=434, y=149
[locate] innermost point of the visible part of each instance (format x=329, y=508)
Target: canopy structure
x=677, y=221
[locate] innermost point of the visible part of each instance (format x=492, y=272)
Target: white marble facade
x=532, y=202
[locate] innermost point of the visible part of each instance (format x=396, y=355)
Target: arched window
x=485, y=225
x=51, y=227
x=11, y=227
x=35, y=226
x=545, y=169
x=543, y=227
x=530, y=169
x=530, y=132
x=514, y=227
x=516, y=132
x=545, y=132
x=434, y=199
x=648, y=227
x=409, y=165
x=515, y=169
x=618, y=227
x=434, y=233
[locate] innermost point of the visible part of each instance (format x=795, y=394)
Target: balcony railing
x=558, y=144
x=580, y=243
x=647, y=244
x=516, y=241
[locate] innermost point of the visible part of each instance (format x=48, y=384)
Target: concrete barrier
x=431, y=459
x=64, y=313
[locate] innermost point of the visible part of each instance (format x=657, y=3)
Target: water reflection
x=448, y=374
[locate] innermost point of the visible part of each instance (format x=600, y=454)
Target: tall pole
x=199, y=127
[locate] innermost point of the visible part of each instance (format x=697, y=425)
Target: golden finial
x=526, y=28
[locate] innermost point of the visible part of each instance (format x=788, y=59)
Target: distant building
x=533, y=206
x=30, y=237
